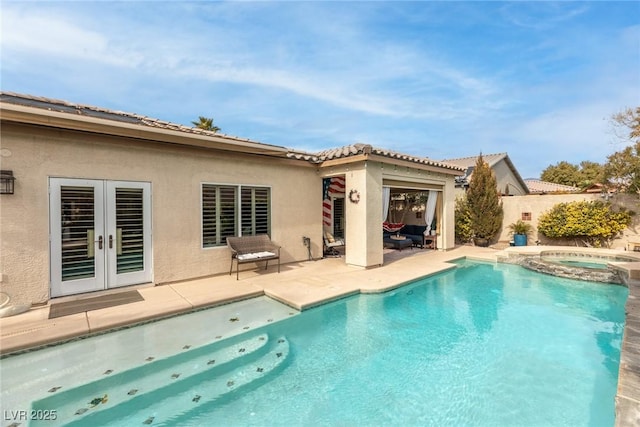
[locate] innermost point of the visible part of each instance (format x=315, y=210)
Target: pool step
x=174, y=408
x=134, y=384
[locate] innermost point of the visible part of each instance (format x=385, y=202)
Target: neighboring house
x=537, y=186
x=509, y=181
x=605, y=191
x=105, y=199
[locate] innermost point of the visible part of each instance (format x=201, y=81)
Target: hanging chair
x=392, y=227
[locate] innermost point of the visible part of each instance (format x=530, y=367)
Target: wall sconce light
x=6, y=182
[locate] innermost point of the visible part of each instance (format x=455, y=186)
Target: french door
x=100, y=234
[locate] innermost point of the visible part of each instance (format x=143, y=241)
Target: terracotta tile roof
x=136, y=119
x=537, y=186
x=358, y=149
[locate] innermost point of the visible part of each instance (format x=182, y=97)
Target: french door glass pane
x=77, y=206
x=129, y=238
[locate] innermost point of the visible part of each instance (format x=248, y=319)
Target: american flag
x=330, y=186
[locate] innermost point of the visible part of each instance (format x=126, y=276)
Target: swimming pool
x=484, y=344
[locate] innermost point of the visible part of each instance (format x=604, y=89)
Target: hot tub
x=582, y=265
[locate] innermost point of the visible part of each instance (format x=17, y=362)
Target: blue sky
x=538, y=80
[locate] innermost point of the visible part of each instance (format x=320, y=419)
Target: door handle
x=110, y=241
x=100, y=242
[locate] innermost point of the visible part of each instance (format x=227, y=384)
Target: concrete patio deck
x=301, y=286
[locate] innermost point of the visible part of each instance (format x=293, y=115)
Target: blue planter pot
x=520, y=240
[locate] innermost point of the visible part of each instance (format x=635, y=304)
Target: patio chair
x=331, y=243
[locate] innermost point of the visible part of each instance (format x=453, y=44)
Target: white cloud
x=31, y=32
x=542, y=15
x=355, y=77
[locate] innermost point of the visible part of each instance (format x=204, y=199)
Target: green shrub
x=463, y=220
x=594, y=223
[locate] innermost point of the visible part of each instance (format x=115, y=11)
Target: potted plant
x=520, y=231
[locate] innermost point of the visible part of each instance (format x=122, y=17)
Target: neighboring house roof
x=601, y=188
x=492, y=159
x=356, y=150
x=57, y=113
x=465, y=162
x=537, y=186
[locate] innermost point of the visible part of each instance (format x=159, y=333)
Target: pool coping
x=305, y=285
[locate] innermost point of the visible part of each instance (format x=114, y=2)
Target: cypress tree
x=485, y=206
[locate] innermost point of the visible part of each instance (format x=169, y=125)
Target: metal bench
x=249, y=249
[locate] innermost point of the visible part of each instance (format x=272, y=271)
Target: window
x=526, y=216
x=227, y=209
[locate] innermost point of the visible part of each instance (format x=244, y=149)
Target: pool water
x=585, y=264
x=481, y=345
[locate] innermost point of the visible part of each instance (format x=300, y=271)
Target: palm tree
x=206, y=124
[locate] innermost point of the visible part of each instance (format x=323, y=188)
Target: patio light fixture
x=6, y=182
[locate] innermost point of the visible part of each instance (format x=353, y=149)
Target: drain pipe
x=307, y=242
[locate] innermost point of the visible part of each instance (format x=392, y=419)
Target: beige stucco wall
x=176, y=173
x=514, y=206
x=363, y=232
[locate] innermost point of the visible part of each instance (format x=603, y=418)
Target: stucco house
x=105, y=199
x=509, y=181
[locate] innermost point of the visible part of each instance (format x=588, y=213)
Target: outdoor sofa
x=415, y=233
